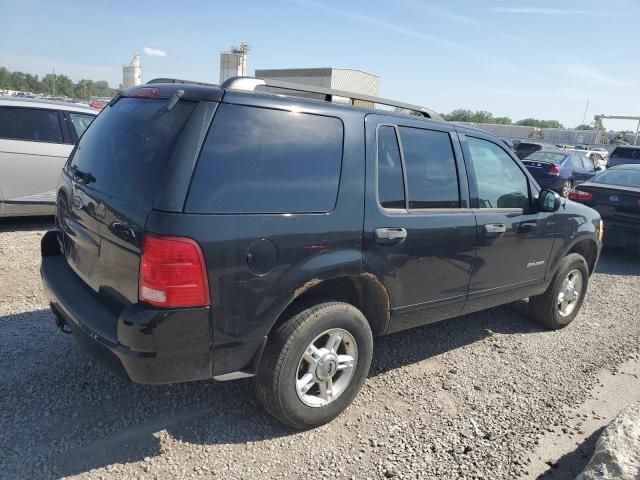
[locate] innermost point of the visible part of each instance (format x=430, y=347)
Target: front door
x=514, y=239
x=419, y=232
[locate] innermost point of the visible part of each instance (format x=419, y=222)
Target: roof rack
x=177, y=80
x=251, y=83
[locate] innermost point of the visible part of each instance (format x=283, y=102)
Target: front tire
x=315, y=364
x=560, y=303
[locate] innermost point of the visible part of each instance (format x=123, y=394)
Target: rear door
x=419, y=232
x=579, y=170
x=514, y=239
x=110, y=185
x=33, y=151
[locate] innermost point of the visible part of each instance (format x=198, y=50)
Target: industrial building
x=233, y=62
x=132, y=73
x=355, y=81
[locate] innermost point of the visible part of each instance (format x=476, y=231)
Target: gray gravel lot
x=465, y=398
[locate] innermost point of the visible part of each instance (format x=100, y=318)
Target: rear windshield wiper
x=174, y=99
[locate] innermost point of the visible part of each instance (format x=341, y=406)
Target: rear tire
x=560, y=303
x=303, y=380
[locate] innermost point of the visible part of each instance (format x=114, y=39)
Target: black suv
x=224, y=232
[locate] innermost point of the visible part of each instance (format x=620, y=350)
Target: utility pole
x=584, y=117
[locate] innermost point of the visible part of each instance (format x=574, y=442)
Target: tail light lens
x=144, y=92
x=173, y=273
x=554, y=170
x=580, y=195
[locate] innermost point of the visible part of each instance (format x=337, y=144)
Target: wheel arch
x=365, y=292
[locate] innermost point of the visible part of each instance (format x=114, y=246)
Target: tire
x=546, y=309
x=283, y=369
x=566, y=188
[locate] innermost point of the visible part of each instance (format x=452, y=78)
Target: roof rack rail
x=177, y=80
x=251, y=83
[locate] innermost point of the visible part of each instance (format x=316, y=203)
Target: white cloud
x=154, y=52
x=541, y=11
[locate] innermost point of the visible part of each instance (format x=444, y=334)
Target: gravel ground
x=465, y=398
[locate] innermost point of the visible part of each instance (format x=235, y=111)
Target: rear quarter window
x=258, y=160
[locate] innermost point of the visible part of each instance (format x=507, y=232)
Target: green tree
x=584, y=126
x=503, y=120
x=5, y=78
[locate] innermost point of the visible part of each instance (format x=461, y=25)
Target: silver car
x=36, y=138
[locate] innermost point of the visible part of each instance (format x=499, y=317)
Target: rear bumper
x=551, y=183
x=621, y=235
x=142, y=344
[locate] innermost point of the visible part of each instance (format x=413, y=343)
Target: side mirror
x=548, y=201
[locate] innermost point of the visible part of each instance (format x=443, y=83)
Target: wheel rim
x=326, y=367
x=566, y=188
x=570, y=293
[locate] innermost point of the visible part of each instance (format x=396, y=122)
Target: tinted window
x=390, y=181
x=626, y=152
x=80, y=122
x=127, y=148
x=431, y=168
x=627, y=178
x=623, y=155
x=501, y=183
x=30, y=124
x=257, y=160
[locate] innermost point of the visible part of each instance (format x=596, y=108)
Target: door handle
x=494, y=229
x=390, y=235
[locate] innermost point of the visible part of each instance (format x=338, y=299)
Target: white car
x=36, y=138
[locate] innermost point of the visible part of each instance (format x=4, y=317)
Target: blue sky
x=540, y=59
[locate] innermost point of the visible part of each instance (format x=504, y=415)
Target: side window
x=390, y=180
x=80, y=122
x=578, y=166
x=432, y=180
x=258, y=160
x=500, y=182
x=30, y=124
x=588, y=164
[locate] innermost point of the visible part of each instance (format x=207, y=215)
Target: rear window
x=626, y=153
x=128, y=145
x=553, y=157
x=622, y=177
x=30, y=124
x=258, y=160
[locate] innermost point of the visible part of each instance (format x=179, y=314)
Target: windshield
x=622, y=177
x=127, y=147
x=554, y=157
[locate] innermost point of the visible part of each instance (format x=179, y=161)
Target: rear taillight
x=173, y=273
x=144, y=92
x=579, y=195
x=554, y=170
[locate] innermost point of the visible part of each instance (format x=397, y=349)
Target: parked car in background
x=597, y=157
x=615, y=194
x=36, y=138
x=559, y=170
x=224, y=232
x=624, y=155
x=523, y=149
